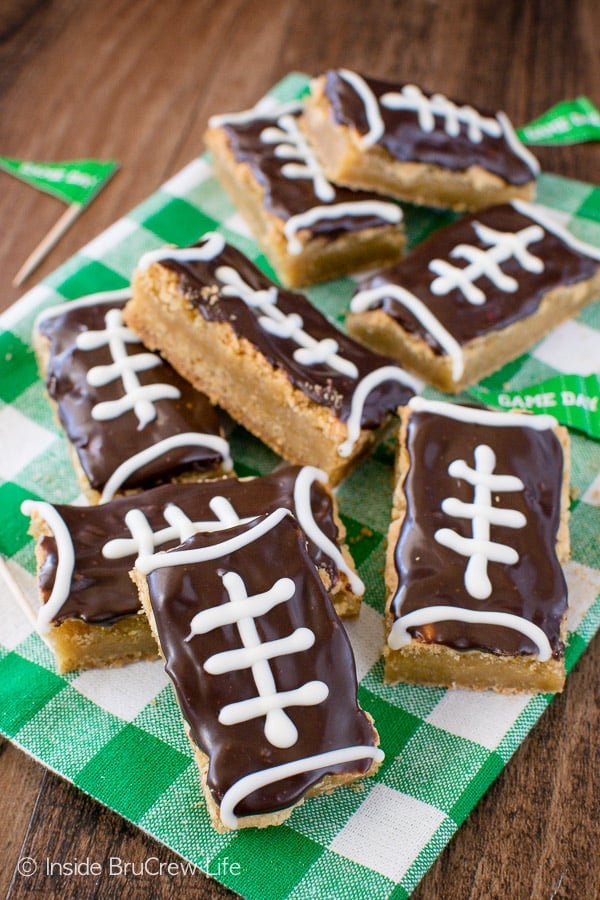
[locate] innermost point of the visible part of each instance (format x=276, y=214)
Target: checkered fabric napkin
x=117, y=733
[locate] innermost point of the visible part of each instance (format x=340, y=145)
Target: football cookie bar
x=90, y=612
x=131, y=420
x=249, y=650
x=265, y=355
x=309, y=229
x=476, y=594
x=476, y=294
x=406, y=143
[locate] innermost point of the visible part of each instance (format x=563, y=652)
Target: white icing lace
x=242, y=610
x=479, y=548
x=311, y=352
x=503, y=245
x=413, y=99
x=137, y=397
x=291, y=144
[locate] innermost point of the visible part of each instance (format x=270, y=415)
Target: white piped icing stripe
x=144, y=541
x=367, y=298
x=504, y=245
x=256, y=780
x=371, y=107
x=544, y=218
x=412, y=98
x=480, y=549
x=214, y=244
x=482, y=416
x=302, y=507
x=389, y=212
x=255, y=655
x=136, y=396
x=363, y=389
x=516, y=145
x=266, y=108
x=65, y=565
x=101, y=297
x=311, y=352
x=186, y=439
x=399, y=636
x=242, y=610
x=149, y=562
x=291, y=144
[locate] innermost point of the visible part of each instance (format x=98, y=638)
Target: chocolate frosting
x=101, y=589
x=406, y=141
x=431, y=574
x=324, y=385
x=563, y=266
x=179, y=592
x=286, y=197
x=102, y=446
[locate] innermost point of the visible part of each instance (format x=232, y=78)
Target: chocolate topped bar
x=497, y=272
x=87, y=551
x=261, y=666
x=406, y=143
x=131, y=419
x=265, y=354
x=479, y=525
x=417, y=126
x=270, y=140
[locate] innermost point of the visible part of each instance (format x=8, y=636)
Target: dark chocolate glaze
x=406, y=141
x=101, y=589
x=563, y=266
x=102, y=446
x=431, y=574
x=179, y=592
x=286, y=197
x=324, y=385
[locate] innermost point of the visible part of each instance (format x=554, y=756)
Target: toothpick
x=48, y=242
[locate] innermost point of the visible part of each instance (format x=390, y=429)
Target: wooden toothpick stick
x=48, y=242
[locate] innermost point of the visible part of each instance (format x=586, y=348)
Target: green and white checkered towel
x=117, y=733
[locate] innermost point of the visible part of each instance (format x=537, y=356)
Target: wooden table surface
x=135, y=80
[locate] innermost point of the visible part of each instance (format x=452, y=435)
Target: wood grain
x=136, y=80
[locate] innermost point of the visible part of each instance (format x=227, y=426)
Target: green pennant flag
x=73, y=181
x=568, y=122
x=574, y=400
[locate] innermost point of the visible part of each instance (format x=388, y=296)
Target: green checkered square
x=25, y=688
x=21, y=359
x=146, y=767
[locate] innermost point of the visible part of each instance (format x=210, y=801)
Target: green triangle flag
x=568, y=122
x=73, y=181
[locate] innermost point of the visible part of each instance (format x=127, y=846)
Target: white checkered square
x=480, y=716
x=237, y=223
x=583, y=585
x=21, y=441
x=109, y=239
x=190, y=177
x=366, y=636
x=123, y=691
x=572, y=348
x=592, y=494
x=409, y=825
x=15, y=625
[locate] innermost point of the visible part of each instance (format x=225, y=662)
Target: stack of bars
x=175, y=555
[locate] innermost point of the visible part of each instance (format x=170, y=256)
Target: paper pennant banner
x=569, y=122
x=572, y=399
x=73, y=181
